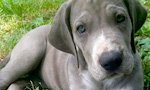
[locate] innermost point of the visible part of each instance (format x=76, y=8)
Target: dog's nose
x=111, y=61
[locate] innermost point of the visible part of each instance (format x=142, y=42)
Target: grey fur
x=67, y=60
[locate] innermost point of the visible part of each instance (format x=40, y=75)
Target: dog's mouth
x=103, y=75
x=100, y=73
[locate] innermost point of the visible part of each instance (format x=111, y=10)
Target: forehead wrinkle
x=91, y=1
x=87, y=11
x=83, y=17
x=92, y=7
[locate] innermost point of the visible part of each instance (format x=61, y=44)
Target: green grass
x=17, y=17
x=143, y=46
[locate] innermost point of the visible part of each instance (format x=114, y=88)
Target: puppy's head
x=100, y=32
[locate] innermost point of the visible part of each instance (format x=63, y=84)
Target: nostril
x=111, y=60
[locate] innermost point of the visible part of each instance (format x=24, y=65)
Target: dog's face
x=102, y=31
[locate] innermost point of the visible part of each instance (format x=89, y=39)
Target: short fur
x=64, y=59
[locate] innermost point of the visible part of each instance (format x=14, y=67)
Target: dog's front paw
x=3, y=84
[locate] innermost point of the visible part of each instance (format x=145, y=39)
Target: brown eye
x=81, y=29
x=120, y=18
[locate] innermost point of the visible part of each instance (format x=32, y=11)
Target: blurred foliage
x=143, y=45
x=19, y=16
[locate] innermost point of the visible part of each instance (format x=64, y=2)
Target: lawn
x=17, y=17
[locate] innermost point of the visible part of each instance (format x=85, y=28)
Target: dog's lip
x=113, y=75
x=117, y=75
x=120, y=72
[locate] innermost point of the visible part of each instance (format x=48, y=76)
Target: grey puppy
x=90, y=46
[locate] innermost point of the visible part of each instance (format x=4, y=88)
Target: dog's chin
x=100, y=74
x=97, y=73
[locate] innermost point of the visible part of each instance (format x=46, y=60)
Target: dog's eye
x=81, y=29
x=120, y=18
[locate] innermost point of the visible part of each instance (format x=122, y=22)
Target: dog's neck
x=89, y=82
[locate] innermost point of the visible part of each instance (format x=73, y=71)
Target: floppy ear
x=138, y=16
x=60, y=35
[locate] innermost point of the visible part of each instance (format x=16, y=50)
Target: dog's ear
x=138, y=16
x=60, y=35
x=137, y=13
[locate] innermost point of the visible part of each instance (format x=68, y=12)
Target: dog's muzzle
x=111, y=60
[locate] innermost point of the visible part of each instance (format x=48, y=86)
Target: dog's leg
x=5, y=61
x=18, y=85
x=25, y=57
